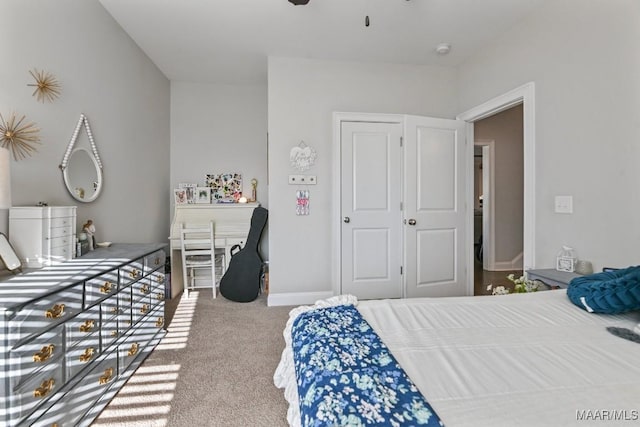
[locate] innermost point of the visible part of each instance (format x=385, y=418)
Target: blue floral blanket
x=347, y=376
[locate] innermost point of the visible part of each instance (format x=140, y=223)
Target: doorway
x=503, y=259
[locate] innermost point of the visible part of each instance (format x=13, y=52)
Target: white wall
x=584, y=59
x=125, y=97
x=218, y=128
x=302, y=95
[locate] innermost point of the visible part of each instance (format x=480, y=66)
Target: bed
x=512, y=360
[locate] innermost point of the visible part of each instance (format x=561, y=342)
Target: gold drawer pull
x=133, y=350
x=108, y=375
x=87, y=326
x=159, y=322
x=144, y=309
x=45, y=388
x=156, y=261
x=54, y=312
x=134, y=273
x=144, y=289
x=44, y=354
x=87, y=355
x=160, y=296
x=160, y=278
x=114, y=333
x=106, y=288
x=114, y=310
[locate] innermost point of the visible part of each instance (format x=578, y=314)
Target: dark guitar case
x=241, y=281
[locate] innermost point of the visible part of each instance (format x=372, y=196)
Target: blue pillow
x=609, y=292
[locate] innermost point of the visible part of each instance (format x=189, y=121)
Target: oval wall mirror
x=83, y=175
x=81, y=168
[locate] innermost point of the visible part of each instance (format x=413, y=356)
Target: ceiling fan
x=299, y=2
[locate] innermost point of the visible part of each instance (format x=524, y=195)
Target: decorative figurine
x=254, y=186
x=90, y=230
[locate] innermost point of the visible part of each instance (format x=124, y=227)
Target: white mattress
x=510, y=360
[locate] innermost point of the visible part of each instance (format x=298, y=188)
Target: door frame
x=488, y=205
x=336, y=221
x=524, y=95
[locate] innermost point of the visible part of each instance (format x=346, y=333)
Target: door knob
x=412, y=221
x=347, y=220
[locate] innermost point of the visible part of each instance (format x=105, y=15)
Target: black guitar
x=241, y=281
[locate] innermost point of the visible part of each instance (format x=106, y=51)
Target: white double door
x=403, y=190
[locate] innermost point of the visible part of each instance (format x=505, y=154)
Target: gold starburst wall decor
x=47, y=87
x=17, y=137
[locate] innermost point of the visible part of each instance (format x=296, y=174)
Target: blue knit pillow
x=607, y=292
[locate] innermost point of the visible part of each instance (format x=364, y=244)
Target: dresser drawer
x=59, y=232
x=70, y=409
x=33, y=393
x=39, y=315
x=81, y=355
x=41, y=355
x=157, y=295
x=59, y=254
x=60, y=242
x=82, y=326
x=140, y=308
x=140, y=337
x=131, y=272
x=62, y=221
x=154, y=261
x=100, y=287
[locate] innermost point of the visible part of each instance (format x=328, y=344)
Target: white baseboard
x=297, y=298
x=514, y=264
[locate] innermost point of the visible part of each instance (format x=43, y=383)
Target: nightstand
x=552, y=277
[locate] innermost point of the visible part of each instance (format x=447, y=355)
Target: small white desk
x=231, y=227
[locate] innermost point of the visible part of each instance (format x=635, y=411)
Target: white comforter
x=513, y=360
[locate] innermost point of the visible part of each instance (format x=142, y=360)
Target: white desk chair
x=198, y=251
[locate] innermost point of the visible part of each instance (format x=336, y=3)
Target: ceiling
x=228, y=41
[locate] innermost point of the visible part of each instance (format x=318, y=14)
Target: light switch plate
x=564, y=204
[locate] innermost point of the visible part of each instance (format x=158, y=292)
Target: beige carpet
x=214, y=368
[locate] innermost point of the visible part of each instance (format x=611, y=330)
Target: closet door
x=435, y=214
x=371, y=191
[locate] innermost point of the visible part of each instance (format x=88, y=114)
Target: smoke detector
x=443, y=48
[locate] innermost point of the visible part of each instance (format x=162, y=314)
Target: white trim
x=524, y=94
x=514, y=264
x=297, y=298
x=338, y=118
x=488, y=203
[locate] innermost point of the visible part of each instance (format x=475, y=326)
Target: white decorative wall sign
x=302, y=157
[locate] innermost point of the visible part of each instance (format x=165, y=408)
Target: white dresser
x=231, y=222
x=43, y=235
x=73, y=333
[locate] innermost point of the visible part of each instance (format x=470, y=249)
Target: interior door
x=435, y=213
x=371, y=191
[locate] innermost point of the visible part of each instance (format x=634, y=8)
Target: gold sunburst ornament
x=17, y=137
x=47, y=87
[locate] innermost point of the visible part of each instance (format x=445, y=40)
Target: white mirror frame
x=8, y=255
x=97, y=184
x=93, y=155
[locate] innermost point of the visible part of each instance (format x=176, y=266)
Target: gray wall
x=125, y=97
x=583, y=58
x=302, y=96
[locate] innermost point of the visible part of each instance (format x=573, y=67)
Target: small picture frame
x=191, y=191
x=564, y=263
x=180, y=196
x=203, y=194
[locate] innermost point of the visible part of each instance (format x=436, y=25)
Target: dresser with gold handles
x=71, y=334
